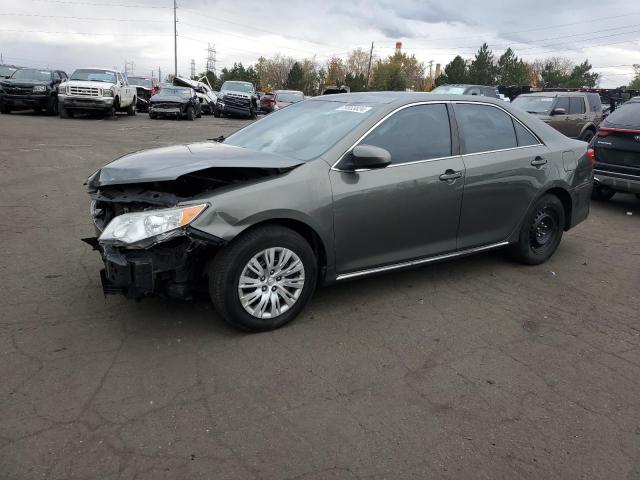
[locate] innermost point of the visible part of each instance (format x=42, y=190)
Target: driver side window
x=415, y=133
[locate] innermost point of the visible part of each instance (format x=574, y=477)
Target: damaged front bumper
x=171, y=269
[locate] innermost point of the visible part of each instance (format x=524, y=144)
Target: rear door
x=506, y=165
x=408, y=210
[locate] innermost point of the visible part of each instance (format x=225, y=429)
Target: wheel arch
x=567, y=202
x=306, y=231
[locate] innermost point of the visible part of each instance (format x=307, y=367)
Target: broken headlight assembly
x=144, y=229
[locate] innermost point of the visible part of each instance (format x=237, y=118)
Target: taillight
x=591, y=155
x=603, y=132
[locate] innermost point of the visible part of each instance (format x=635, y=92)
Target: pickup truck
x=97, y=90
x=237, y=98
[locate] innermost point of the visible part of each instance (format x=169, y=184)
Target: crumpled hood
x=23, y=83
x=236, y=94
x=169, y=99
x=169, y=163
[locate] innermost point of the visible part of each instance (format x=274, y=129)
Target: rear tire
x=587, y=136
x=252, y=114
x=64, y=112
x=601, y=193
x=541, y=232
x=153, y=116
x=231, y=262
x=216, y=112
x=5, y=109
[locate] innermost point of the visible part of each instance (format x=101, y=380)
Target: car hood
x=169, y=163
x=86, y=83
x=23, y=83
x=169, y=99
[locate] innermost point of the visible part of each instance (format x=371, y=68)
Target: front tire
x=131, y=109
x=216, y=112
x=587, y=136
x=190, y=114
x=263, y=279
x=541, y=232
x=64, y=112
x=153, y=115
x=5, y=109
x=52, y=106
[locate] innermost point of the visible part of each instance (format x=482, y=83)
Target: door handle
x=538, y=161
x=450, y=175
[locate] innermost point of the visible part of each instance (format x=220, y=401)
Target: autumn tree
x=398, y=72
x=635, y=83
x=336, y=71
x=357, y=62
x=274, y=72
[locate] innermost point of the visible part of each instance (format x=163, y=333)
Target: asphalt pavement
x=477, y=368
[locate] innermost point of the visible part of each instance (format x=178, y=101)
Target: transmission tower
x=128, y=68
x=193, y=68
x=211, y=58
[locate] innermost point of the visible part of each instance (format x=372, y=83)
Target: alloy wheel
x=271, y=282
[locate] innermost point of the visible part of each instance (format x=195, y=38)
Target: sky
x=69, y=34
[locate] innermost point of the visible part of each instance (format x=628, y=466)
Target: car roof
x=556, y=94
x=402, y=98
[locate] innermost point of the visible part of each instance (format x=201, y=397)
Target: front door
x=562, y=122
x=408, y=210
x=506, y=165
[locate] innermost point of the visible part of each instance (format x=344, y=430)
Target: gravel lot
x=476, y=368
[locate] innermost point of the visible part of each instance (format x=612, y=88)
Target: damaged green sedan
x=330, y=189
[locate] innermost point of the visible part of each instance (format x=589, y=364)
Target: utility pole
x=369, y=67
x=159, y=74
x=175, y=39
x=193, y=68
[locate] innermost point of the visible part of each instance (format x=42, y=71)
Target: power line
x=87, y=33
x=100, y=4
x=79, y=18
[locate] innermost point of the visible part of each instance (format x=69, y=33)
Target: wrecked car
x=177, y=102
x=206, y=96
x=330, y=189
x=146, y=87
x=237, y=98
x=31, y=88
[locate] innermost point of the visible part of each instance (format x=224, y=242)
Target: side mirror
x=368, y=156
x=559, y=111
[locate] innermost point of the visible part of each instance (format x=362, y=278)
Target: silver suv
x=575, y=114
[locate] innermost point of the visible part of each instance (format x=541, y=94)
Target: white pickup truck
x=96, y=89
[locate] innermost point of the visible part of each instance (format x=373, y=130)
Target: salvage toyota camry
x=330, y=189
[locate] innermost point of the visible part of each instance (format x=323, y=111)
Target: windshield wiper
x=219, y=139
x=531, y=111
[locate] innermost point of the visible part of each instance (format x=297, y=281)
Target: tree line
x=401, y=71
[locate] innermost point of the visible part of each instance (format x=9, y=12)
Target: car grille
x=18, y=90
x=84, y=91
x=166, y=105
x=236, y=101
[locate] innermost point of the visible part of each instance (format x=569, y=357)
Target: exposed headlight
x=107, y=92
x=143, y=229
x=62, y=90
x=39, y=88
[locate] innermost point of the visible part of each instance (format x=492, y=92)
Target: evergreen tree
x=454, y=72
x=482, y=71
x=511, y=70
x=295, y=79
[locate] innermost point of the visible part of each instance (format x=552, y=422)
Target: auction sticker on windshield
x=354, y=108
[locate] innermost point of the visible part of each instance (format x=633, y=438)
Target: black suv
x=31, y=88
x=616, y=150
x=237, y=98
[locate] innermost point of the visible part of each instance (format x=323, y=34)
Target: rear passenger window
x=576, y=106
x=595, y=104
x=414, y=133
x=484, y=128
x=525, y=138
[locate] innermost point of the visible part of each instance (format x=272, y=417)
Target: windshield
x=92, y=75
x=7, y=71
x=452, y=89
x=536, y=105
x=140, y=82
x=175, y=92
x=290, y=97
x=32, y=74
x=303, y=131
x=237, y=87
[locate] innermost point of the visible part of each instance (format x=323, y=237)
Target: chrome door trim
x=434, y=102
x=420, y=261
x=402, y=107
x=508, y=113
